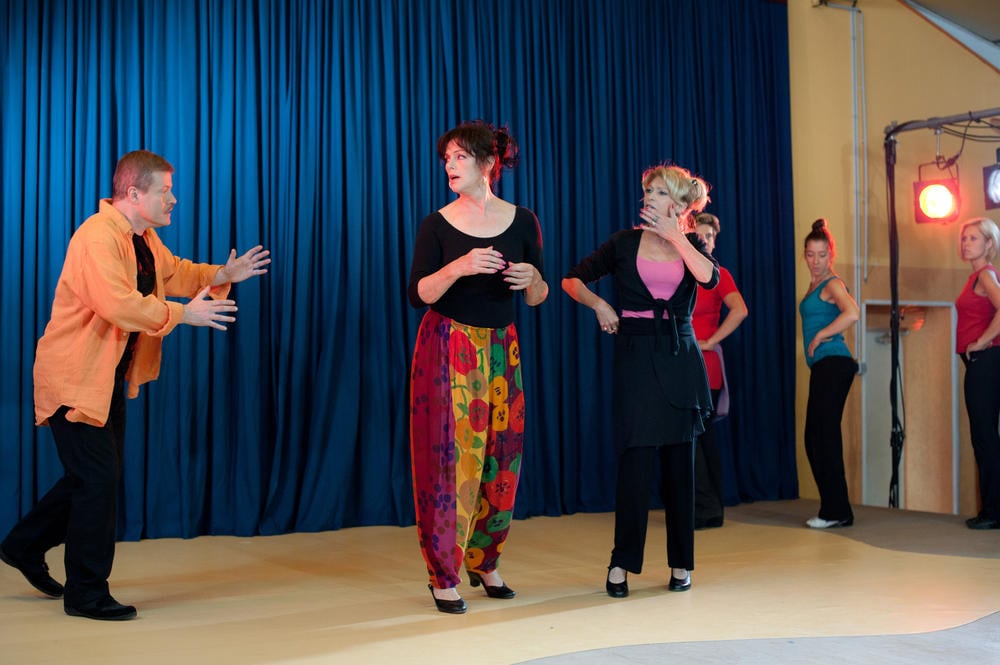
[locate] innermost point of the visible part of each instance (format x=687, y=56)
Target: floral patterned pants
x=466, y=438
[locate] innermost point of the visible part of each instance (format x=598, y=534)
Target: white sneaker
x=820, y=523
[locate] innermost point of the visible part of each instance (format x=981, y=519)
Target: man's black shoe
x=36, y=572
x=106, y=609
x=980, y=523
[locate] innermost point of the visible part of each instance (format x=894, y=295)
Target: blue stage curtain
x=310, y=127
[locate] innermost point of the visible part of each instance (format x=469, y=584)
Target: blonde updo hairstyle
x=688, y=190
x=989, y=230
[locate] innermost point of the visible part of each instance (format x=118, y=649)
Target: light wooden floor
x=359, y=595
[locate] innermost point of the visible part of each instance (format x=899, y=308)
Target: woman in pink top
x=660, y=395
x=978, y=342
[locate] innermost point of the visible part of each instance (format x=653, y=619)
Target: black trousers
x=829, y=383
x=81, y=509
x=982, y=402
x=636, y=469
x=708, y=486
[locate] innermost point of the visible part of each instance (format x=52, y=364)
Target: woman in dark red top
x=978, y=342
x=710, y=329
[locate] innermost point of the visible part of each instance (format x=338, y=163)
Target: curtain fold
x=310, y=127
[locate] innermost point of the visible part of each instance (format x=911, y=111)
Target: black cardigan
x=660, y=396
x=617, y=257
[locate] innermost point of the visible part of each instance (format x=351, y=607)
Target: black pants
x=982, y=402
x=81, y=509
x=636, y=469
x=829, y=383
x=708, y=486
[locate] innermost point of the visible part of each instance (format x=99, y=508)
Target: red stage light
x=936, y=200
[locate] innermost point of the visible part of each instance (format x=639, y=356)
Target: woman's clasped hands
x=486, y=260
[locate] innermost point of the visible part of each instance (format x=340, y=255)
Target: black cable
x=897, y=436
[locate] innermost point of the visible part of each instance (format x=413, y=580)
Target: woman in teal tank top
x=827, y=310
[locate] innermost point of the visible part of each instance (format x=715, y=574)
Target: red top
x=974, y=313
x=706, y=318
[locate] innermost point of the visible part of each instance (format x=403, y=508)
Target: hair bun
x=507, y=151
x=819, y=224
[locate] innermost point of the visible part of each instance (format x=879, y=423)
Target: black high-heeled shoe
x=503, y=591
x=616, y=589
x=679, y=583
x=448, y=606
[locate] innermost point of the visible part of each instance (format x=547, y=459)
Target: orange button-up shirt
x=97, y=305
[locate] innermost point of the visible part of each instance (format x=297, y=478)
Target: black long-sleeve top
x=477, y=300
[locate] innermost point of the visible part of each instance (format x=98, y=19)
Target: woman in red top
x=708, y=508
x=978, y=342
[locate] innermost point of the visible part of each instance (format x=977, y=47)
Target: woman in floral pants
x=466, y=399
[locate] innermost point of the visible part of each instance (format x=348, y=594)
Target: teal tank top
x=816, y=315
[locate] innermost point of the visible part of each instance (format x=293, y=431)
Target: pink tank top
x=661, y=278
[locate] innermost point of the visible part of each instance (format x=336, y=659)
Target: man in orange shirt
x=109, y=317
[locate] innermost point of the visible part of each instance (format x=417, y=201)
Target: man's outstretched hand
x=243, y=267
x=203, y=311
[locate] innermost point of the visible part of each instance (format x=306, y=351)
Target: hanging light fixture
x=937, y=200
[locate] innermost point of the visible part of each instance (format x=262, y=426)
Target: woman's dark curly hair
x=482, y=140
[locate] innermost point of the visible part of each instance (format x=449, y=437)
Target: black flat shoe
x=106, y=609
x=980, y=523
x=679, y=584
x=448, y=606
x=37, y=574
x=502, y=591
x=616, y=589
x=710, y=523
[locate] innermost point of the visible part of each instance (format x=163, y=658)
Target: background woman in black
x=827, y=310
x=977, y=338
x=661, y=398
